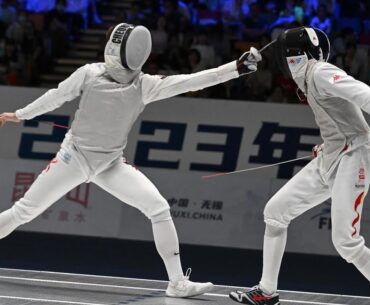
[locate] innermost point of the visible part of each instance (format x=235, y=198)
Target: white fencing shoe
x=185, y=288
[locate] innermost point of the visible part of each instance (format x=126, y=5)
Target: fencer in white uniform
x=340, y=170
x=113, y=94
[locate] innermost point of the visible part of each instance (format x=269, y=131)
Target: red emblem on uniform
x=292, y=61
x=336, y=77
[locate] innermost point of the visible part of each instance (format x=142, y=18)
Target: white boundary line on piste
x=47, y=300
x=121, y=287
x=161, y=281
x=88, y=303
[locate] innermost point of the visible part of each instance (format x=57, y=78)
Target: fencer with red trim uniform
x=340, y=171
x=113, y=94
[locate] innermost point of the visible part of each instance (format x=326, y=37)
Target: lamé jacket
x=108, y=109
x=337, y=101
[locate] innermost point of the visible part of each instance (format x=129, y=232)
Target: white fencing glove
x=247, y=63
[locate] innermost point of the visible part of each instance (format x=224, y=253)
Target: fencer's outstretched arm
x=331, y=81
x=67, y=90
x=157, y=87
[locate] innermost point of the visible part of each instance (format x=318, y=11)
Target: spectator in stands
x=365, y=35
x=312, y=7
x=176, y=56
x=159, y=37
x=350, y=8
x=206, y=17
x=95, y=15
x=150, y=12
x=58, y=13
x=172, y=15
x=8, y=13
x=184, y=9
x=2, y=50
x=338, y=45
x=270, y=12
x=16, y=29
x=80, y=10
x=134, y=14
x=195, y=61
x=299, y=14
x=38, y=6
x=286, y=16
x=205, y=49
x=58, y=30
x=32, y=49
x=234, y=11
x=254, y=25
x=322, y=21
x=354, y=62
x=77, y=11
x=186, y=25
x=13, y=61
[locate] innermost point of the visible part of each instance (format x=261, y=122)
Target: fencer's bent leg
x=304, y=191
x=132, y=187
x=56, y=180
x=349, y=189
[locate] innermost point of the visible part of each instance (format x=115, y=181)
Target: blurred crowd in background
x=34, y=33
x=188, y=36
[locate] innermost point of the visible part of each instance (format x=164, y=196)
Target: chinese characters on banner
x=211, y=210
x=79, y=195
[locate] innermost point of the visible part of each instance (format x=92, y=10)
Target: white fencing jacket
x=337, y=101
x=108, y=109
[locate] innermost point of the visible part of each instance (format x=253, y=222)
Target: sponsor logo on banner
x=206, y=210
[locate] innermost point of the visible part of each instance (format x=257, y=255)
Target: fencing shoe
x=255, y=296
x=185, y=288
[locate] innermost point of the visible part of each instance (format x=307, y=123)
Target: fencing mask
x=126, y=51
x=294, y=47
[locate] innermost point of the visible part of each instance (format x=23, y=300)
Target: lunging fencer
x=113, y=94
x=340, y=170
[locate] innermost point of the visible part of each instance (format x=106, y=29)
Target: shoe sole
x=208, y=289
x=241, y=302
x=235, y=299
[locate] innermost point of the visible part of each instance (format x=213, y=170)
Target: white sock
x=7, y=223
x=167, y=243
x=273, y=251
